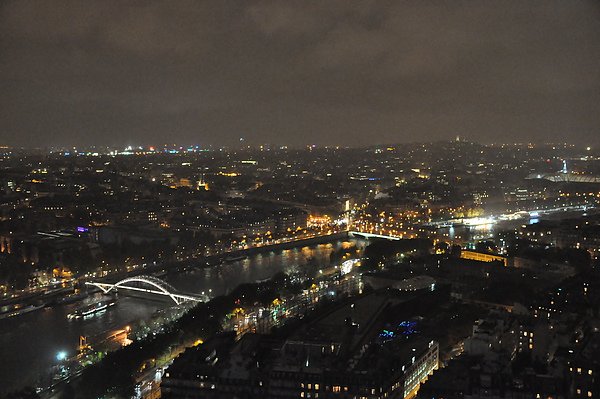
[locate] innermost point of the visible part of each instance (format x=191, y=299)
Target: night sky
x=348, y=73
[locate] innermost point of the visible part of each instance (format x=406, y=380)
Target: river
x=29, y=344
x=486, y=231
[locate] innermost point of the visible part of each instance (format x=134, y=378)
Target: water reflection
x=29, y=343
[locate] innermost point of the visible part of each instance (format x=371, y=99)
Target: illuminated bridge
x=150, y=285
x=371, y=235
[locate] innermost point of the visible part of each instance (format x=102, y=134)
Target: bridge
x=156, y=286
x=372, y=235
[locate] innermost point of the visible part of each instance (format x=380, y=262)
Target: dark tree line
x=381, y=251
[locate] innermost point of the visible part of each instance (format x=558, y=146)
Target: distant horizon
x=271, y=146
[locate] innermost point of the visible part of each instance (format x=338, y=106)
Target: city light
x=347, y=266
x=279, y=199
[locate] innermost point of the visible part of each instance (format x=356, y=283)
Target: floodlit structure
x=139, y=284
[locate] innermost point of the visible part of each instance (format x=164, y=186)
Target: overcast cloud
x=347, y=73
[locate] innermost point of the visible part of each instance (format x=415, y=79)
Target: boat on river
x=72, y=298
x=87, y=311
x=18, y=311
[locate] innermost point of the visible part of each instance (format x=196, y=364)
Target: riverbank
x=324, y=239
x=214, y=260
x=40, y=335
x=51, y=296
x=121, y=370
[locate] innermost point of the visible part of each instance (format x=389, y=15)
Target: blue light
x=387, y=334
x=408, y=327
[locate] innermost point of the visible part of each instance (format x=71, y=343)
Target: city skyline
x=121, y=271
x=272, y=199
x=333, y=73
x=242, y=146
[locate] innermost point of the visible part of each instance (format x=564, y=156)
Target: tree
x=486, y=247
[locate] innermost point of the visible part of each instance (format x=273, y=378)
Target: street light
x=60, y=356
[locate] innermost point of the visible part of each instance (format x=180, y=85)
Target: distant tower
x=564, y=168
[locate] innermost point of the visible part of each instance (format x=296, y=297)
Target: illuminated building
x=483, y=257
x=343, y=354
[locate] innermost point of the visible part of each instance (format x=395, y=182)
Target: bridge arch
x=162, y=287
x=372, y=235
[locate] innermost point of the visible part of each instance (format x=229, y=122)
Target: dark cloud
x=290, y=72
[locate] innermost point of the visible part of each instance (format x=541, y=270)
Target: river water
x=29, y=344
x=465, y=234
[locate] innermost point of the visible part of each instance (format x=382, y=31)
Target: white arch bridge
x=150, y=285
x=372, y=235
